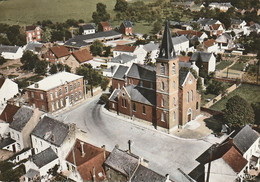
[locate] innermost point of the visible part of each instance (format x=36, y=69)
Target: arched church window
x=162, y=69
x=162, y=85
x=173, y=69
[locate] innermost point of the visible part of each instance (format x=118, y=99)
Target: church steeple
x=167, y=50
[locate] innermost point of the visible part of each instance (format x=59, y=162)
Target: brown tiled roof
x=93, y=158
x=234, y=159
x=105, y=24
x=82, y=55
x=216, y=26
x=125, y=48
x=2, y=80
x=209, y=42
x=60, y=51
x=189, y=32
x=184, y=59
x=8, y=113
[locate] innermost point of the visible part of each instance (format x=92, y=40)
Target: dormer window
x=162, y=69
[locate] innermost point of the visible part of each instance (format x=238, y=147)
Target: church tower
x=167, y=83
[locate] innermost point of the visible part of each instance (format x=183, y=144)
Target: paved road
x=164, y=152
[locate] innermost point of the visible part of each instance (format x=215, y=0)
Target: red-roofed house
x=85, y=162
x=217, y=29
x=33, y=33
x=104, y=26
x=82, y=56
x=210, y=46
x=191, y=34
x=57, y=54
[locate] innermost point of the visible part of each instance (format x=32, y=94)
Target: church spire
x=167, y=49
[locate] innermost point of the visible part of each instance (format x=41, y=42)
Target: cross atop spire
x=167, y=49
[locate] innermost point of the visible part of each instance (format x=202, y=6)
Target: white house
x=210, y=46
x=225, y=42
x=153, y=50
x=11, y=52
x=88, y=29
x=221, y=6
x=8, y=89
x=123, y=59
x=180, y=44
x=208, y=60
x=24, y=121
x=205, y=23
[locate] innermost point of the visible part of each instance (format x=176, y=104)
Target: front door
x=14, y=149
x=67, y=101
x=189, y=117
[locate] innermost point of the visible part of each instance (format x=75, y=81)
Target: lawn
x=25, y=12
x=251, y=93
x=238, y=66
x=223, y=64
x=205, y=97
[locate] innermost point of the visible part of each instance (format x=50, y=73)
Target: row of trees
x=11, y=35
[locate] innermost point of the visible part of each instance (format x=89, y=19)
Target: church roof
x=167, y=49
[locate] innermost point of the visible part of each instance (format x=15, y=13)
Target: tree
x=199, y=85
x=107, y=51
x=256, y=108
x=96, y=48
x=121, y=5
x=238, y=112
x=104, y=83
x=157, y=26
x=46, y=35
x=148, y=59
x=41, y=67
x=29, y=59
x=2, y=60
x=53, y=69
x=100, y=14
x=216, y=87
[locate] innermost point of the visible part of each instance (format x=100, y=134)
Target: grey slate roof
x=127, y=23
x=88, y=27
x=45, y=157
x=21, y=118
x=140, y=94
x=114, y=95
x=120, y=72
x=167, y=50
x=245, y=138
x=5, y=142
x=144, y=174
x=179, y=40
x=206, y=21
x=84, y=40
x=123, y=58
x=143, y=72
x=182, y=75
x=205, y=56
x=32, y=45
x=122, y=162
x=51, y=130
x=5, y=48
x=151, y=47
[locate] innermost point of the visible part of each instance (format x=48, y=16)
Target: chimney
x=82, y=149
x=104, y=151
x=129, y=146
x=167, y=178
x=94, y=174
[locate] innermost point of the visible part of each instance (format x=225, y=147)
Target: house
x=138, y=51
x=35, y=47
x=56, y=92
x=123, y=59
x=40, y=164
x=88, y=29
x=85, y=162
x=241, y=11
x=24, y=121
x=54, y=134
x=11, y=52
x=225, y=42
x=237, y=23
x=82, y=41
x=109, y=72
x=180, y=44
x=57, y=54
x=184, y=62
x=154, y=93
x=126, y=28
x=6, y=118
x=216, y=29
x=152, y=50
x=192, y=35
x=229, y=167
x=255, y=28
x=8, y=89
x=208, y=60
x=104, y=26
x=205, y=23
x=33, y=34
x=221, y=6
x=210, y=45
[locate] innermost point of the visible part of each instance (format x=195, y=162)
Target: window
x=80, y=94
x=42, y=96
x=61, y=103
x=75, y=85
x=60, y=91
x=71, y=87
x=78, y=84
x=174, y=115
x=173, y=69
x=197, y=105
x=66, y=90
x=163, y=116
x=72, y=98
x=174, y=102
x=191, y=95
x=162, y=69
x=144, y=111
x=141, y=83
x=134, y=107
x=53, y=106
x=56, y=94
x=76, y=96
x=163, y=102
x=188, y=97
x=51, y=96
x=32, y=94
x=162, y=85
x=174, y=84
x=125, y=103
x=113, y=105
x=57, y=104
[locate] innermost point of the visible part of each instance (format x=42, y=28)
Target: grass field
x=238, y=66
x=223, y=64
x=251, y=93
x=24, y=12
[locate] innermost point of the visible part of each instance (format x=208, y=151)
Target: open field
x=24, y=12
x=251, y=93
x=238, y=66
x=223, y=64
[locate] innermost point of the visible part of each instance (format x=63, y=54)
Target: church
x=162, y=94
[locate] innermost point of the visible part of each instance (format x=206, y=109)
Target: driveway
x=165, y=153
